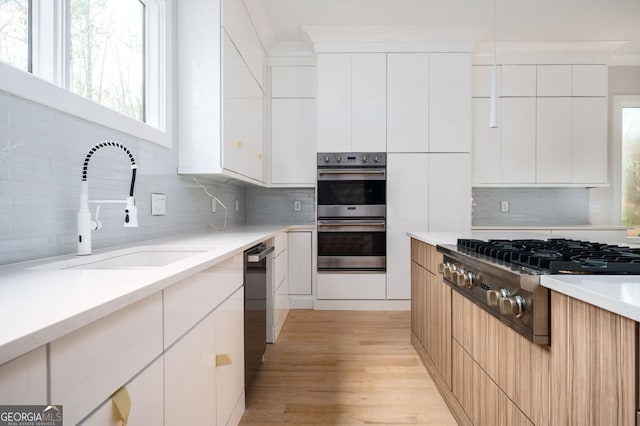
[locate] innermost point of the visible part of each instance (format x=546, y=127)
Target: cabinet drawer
x=88, y=365
x=352, y=286
x=190, y=300
x=23, y=380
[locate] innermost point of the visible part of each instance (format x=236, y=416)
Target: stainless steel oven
x=352, y=212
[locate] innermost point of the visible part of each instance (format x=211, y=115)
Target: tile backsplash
x=531, y=206
x=276, y=205
x=41, y=155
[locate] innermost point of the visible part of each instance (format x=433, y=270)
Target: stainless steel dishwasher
x=258, y=262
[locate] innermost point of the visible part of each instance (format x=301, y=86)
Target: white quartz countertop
x=559, y=227
x=619, y=294
x=39, y=304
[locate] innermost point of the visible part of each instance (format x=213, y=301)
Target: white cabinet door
x=334, y=102
x=407, y=102
x=293, y=82
x=88, y=365
x=449, y=102
x=553, y=140
x=243, y=117
x=23, y=380
x=449, y=192
x=518, y=140
x=554, y=80
x=589, y=142
x=300, y=252
x=146, y=391
x=229, y=338
x=481, y=76
x=590, y=80
x=485, y=151
x=190, y=377
x=407, y=210
x=293, y=147
x=518, y=80
x=369, y=102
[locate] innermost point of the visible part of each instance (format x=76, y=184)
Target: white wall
x=623, y=80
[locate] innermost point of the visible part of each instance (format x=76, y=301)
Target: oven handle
x=362, y=225
x=351, y=172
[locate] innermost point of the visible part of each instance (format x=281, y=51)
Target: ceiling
x=518, y=21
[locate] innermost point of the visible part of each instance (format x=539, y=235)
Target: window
x=14, y=33
x=631, y=170
x=110, y=57
x=107, y=53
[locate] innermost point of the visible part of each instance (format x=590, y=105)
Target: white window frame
x=48, y=85
x=620, y=102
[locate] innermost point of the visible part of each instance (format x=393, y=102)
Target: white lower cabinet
x=229, y=332
x=146, y=399
x=277, y=297
x=190, y=377
x=88, y=365
x=300, y=263
x=204, y=369
x=356, y=286
x=23, y=380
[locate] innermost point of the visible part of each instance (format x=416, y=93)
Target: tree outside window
x=107, y=53
x=14, y=33
x=631, y=170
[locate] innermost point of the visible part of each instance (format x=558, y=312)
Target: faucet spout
x=85, y=223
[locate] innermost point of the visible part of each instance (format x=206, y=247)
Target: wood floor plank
x=344, y=367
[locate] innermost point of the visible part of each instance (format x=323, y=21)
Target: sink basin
x=142, y=258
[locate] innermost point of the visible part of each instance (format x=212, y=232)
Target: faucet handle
x=96, y=224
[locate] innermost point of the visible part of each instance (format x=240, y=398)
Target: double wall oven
x=352, y=212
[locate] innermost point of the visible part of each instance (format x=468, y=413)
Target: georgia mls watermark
x=30, y=415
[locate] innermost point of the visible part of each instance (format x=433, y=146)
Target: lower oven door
x=352, y=245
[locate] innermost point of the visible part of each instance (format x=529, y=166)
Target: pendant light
x=493, y=105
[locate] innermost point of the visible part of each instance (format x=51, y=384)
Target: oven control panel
x=352, y=159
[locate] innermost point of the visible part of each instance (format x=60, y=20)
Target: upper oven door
x=351, y=193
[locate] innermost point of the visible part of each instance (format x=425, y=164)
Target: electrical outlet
x=504, y=206
x=297, y=206
x=158, y=204
x=237, y=206
x=213, y=205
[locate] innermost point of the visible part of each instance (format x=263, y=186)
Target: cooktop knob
x=466, y=279
x=494, y=296
x=514, y=305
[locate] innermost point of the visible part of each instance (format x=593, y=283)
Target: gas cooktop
x=557, y=256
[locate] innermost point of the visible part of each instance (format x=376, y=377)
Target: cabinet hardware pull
x=222, y=360
x=122, y=404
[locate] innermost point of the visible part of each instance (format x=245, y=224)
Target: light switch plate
x=158, y=204
x=297, y=206
x=504, y=206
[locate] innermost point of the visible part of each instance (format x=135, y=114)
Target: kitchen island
x=77, y=335
x=490, y=374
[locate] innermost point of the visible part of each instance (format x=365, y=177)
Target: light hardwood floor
x=344, y=367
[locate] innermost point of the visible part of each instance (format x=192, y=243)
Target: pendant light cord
x=495, y=37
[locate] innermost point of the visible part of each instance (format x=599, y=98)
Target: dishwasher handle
x=257, y=257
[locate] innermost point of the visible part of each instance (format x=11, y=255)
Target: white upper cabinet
x=518, y=140
x=293, y=82
x=518, y=80
x=553, y=140
x=590, y=80
x=554, y=80
x=369, y=102
x=449, y=102
x=485, y=151
x=481, y=76
x=589, y=147
x=237, y=23
x=408, y=102
x=334, y=102
x=449, y=192
x=351, y=102
x=214, y=140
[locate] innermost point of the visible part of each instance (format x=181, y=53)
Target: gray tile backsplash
x=276, y=205
x=531, y=206
x=41, y=155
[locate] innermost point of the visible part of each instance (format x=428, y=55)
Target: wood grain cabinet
x=431, y=307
